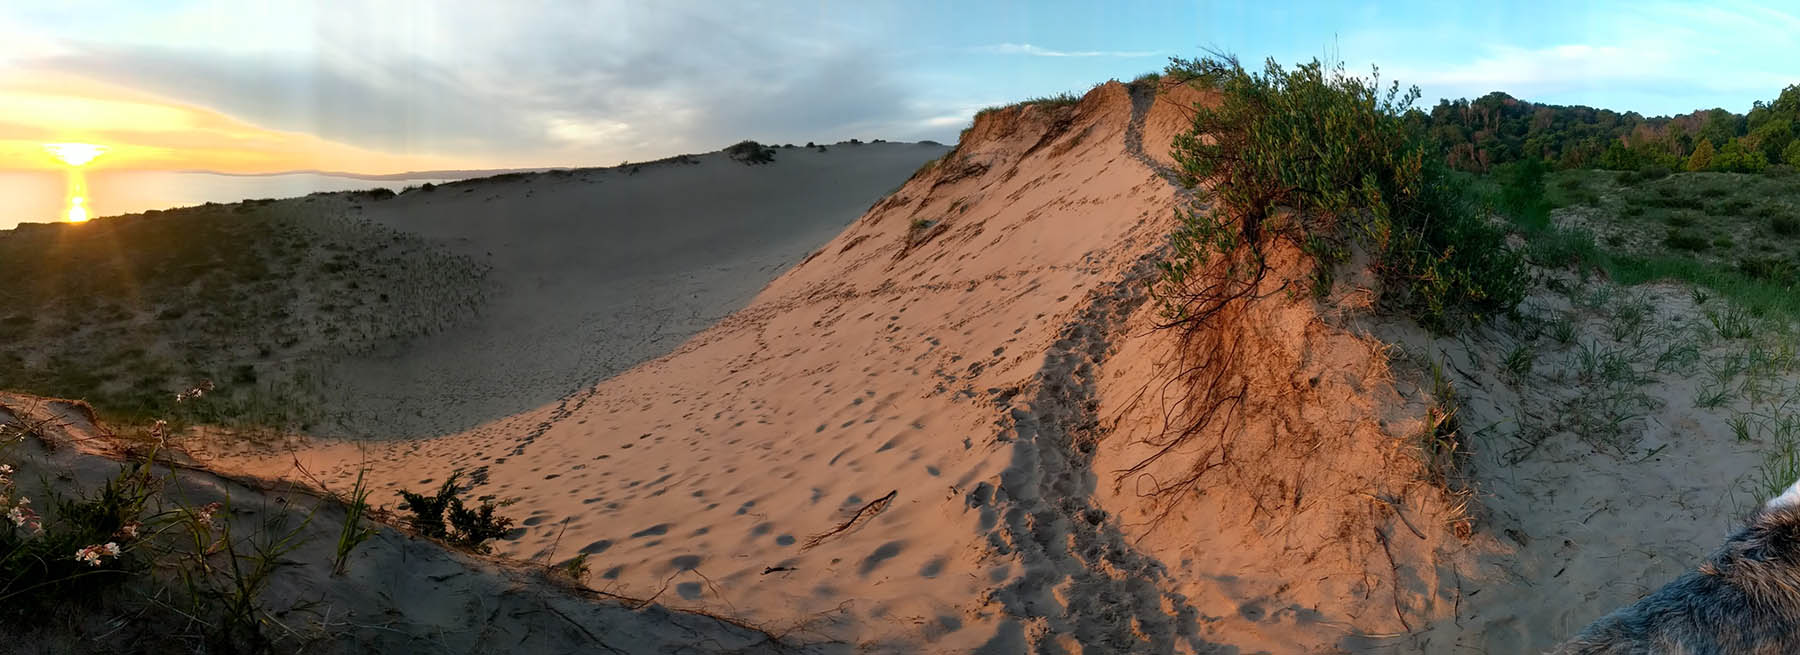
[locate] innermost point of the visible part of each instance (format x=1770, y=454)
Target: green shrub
x=1558, y=248
x=428, y=511
x=1786, y=226
x=1683, y=240
x=750, y=152
x=468, y=528
x=1730, y=207
x=473, y=528
x=1770, y=269
x=1522, y=194
x=1322, y=159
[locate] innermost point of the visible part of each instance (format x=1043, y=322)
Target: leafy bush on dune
x=1322, y=159
x=1320, y=162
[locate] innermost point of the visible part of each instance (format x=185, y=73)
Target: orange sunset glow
x=145, y=132
x=76, y=155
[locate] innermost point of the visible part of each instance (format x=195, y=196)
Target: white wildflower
x=94, y=555
x=205, y=514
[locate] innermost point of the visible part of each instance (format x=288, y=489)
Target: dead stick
x=1382, y=537
x=1396, y=508
x=876, y=505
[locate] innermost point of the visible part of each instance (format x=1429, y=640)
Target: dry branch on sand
x=862, y=516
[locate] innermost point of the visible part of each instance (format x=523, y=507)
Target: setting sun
x=77, y=209
x=74, y=154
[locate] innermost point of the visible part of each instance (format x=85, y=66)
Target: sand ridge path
x=888, y=365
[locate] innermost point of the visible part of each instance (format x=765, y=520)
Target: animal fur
x=1744, y=599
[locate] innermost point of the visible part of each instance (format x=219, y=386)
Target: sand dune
x=883, y=363
x=927, y=435
x=595, y=270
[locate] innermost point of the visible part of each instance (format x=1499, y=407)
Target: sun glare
x=74, y=154
x=78, y=209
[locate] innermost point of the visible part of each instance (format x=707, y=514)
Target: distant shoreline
x=409, y=175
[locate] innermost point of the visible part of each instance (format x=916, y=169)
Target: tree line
x=1496, y=128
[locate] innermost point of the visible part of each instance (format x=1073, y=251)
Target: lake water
x=43, y=197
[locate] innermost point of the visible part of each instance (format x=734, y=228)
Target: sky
x=390, y=86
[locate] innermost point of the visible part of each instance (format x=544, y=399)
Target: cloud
x=1035, y=51
x=594, y=84
x=397, y=105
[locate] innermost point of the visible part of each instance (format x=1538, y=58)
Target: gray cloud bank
x=544, y=87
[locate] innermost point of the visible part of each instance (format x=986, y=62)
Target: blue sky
x=379, y=85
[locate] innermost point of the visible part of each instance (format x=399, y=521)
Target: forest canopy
x=1497, y=128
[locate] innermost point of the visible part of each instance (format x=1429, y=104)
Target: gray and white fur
x=1744, y=599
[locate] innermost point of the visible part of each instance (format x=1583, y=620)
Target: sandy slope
x=398, y=594
x=595, y=270
x=922, y=437
x=893, y=360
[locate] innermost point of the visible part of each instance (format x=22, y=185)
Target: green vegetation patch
x=1323, y=160
x=1495, y=129
x=245, y=301
x=1064, y=99
x=1734, y=234
x=750, y=153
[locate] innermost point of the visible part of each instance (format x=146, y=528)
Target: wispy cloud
x=1035, y=51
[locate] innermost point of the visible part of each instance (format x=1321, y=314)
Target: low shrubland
x=125, y=312
x=1732, y=238
x=1736, y=235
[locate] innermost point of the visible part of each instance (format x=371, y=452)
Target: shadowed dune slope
x=596, y=270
